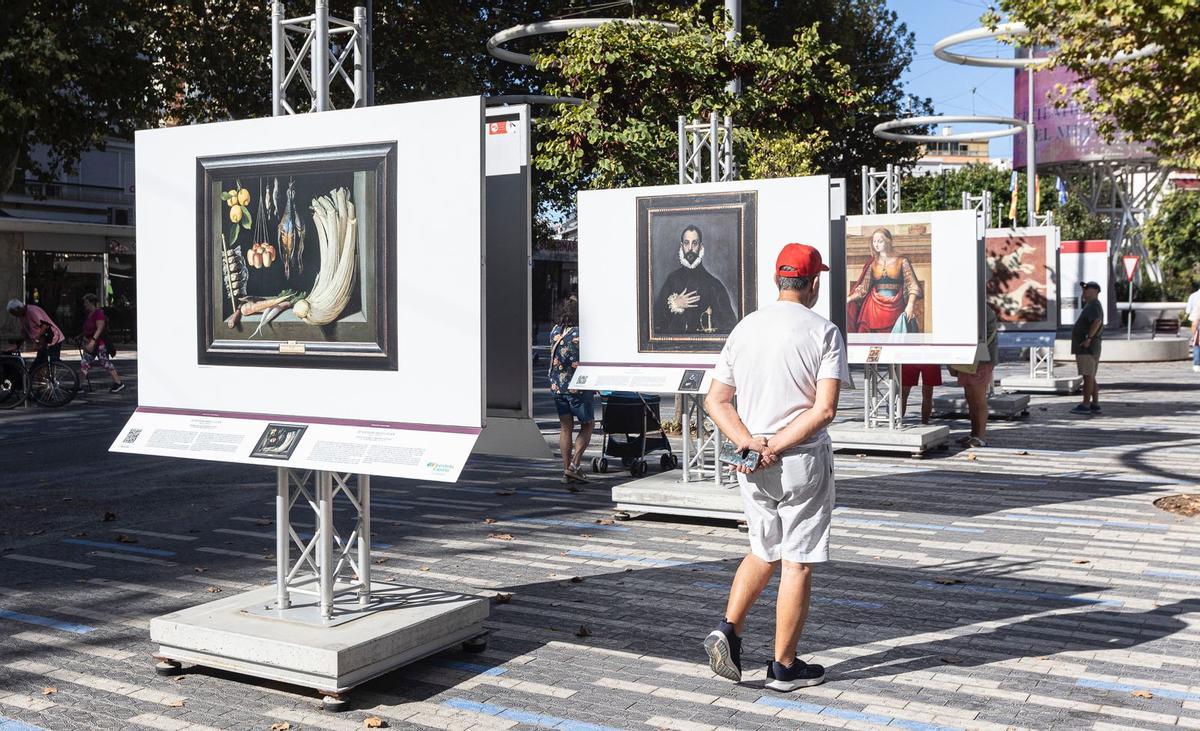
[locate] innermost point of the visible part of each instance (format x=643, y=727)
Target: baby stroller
x=631, y=430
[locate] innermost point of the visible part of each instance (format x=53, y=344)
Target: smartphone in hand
x=740, y=458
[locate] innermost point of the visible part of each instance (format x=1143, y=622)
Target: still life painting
x=296, y=256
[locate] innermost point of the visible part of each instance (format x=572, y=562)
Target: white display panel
x=939, y=255
x=613, y=275
x=1079, y=262
x=432, y=205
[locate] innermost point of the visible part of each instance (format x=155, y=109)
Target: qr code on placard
x=132, y=436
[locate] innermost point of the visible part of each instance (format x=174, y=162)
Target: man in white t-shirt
x=786, y=365
x=1193, y=315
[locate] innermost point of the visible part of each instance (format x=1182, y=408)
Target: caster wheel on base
x=334, y=703
x=621, y=516
x=743, y=527
x=476, y=644
x=168, y=667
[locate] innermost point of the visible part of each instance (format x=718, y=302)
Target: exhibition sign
x=913, y=287
x=666, y=272
x=338, y=297
x=1079, y=262
x=1022, y=282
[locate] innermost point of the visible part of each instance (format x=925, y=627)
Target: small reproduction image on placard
x=691, y=380
x=278, y=441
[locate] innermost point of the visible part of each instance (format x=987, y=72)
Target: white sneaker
x=1196, y=369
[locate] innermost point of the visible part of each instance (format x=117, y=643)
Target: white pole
x=364, y=539
x=278, y=59
x=320, y=56
x=734, y=9
x=1030, y=162
x=283, y=536
x=1129, y=326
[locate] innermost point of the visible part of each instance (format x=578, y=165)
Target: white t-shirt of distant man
x=774, y=358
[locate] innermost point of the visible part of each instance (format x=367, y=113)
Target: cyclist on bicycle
x=38, y=329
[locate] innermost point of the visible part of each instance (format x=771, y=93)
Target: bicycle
x=50, y=384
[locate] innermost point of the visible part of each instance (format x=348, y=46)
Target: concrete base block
x=666, y=494
x=1000, y=405
x=1116, y=349
x=914, y=440
x=244, y=634
x=1058, y=384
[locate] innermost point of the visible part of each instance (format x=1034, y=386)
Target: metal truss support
x=885, y=181
x=701, y=449
x=327, y=564
x=319, y=50
x=710, y=141
x=981, y=204
x=1041, y=363
x=1043, y=219
x=1125, y=191
x=882, y=396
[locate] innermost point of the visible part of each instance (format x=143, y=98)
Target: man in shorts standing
x=786, y=365
x=1085, y=346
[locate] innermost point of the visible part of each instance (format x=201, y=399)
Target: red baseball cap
x=804, y=260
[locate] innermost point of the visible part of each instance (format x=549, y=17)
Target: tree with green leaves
x=637, y=79
x=71, y=75
x=1172, y=234
x=1155, y=98
x=943, y=191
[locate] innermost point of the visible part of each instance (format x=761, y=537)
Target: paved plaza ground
x=1028, y=584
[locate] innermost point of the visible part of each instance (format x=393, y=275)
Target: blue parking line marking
x=540, y=720
x=12, y=724
x=471, y=667
x=79, y=629
x=846, y=715
x=118, y=547
x=976, y=589
x=1125, y=688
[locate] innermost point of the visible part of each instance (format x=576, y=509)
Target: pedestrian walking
x=1086, y=337
x=976, y=381
x=928, y=376
x=785, y=364
x=1193, y=316
x=96, y=344
x=39, y=329
x=572, y=405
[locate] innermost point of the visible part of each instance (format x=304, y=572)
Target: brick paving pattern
x=1029, y=584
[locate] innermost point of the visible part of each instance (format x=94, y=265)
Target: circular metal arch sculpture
x=941, y=49
x=883, y=129
x=547, y=27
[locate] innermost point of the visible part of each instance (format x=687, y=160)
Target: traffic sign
x=1131, y=263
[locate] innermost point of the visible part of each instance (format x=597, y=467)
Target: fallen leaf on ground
x=424, y=568
x=951, y=659
x=122, y=538
x=381, y=560
x=585, y=535
x=374, y=722
x=972, y=457
x=506, y=492
x=199, y=569
x=1023, y=453
x=948, y=581
x=628, y=570
x=583, y=631
x=576, y=579
x=213, y=589
x=501, y=536
x=503, y=598
x=604, y=521
x=489, y=521
x=861, y=456
x=109, y=517
x=175, y=704
x=49, y=690
x=1081, y=560
x=281, y=726
x=37, y=532
x=262, y=521
x=1142, y=694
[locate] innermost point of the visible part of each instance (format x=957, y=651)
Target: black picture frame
x=661, y=220
x=263, y=449
x=368, y=343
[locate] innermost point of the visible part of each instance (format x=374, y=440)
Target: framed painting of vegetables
x=295, y=254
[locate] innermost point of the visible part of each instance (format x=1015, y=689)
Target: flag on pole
x=1012, y=206
x=1061, y=186
x=1037, y=194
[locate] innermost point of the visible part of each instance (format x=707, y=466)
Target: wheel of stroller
x=665, y=462
x=675, y=460
x=603, y=464
x=638, y=468
x=595, y=464
x=643, y=468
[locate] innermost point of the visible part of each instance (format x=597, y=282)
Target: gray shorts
x=789, y=506
x=1087, y=364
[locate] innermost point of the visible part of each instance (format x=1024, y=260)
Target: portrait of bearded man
x=692, y=300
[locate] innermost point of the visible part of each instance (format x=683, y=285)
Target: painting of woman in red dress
x=886, y=289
